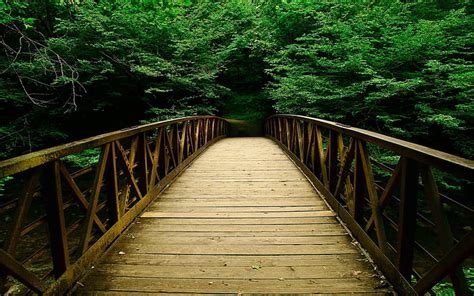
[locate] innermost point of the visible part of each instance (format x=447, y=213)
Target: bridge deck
x=241, y=219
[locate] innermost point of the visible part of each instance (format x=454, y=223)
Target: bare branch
x=50, y=61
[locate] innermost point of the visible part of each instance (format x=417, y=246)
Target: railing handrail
x=336, y=159
x=454, y=164
x=27, y=161
x=134, y=165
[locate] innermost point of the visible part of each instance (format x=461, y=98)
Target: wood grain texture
x=241, y=219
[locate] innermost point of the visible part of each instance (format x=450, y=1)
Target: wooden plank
x=237, y=214
x=238, y=233
x=230, y=228
x=134, y=293
x=242, y=175
x=237, y=240
x=260, y=201
x=221, y=185
x=351, y=260
x=254, y=221
x=228, y=272
x=216, y=181
x=237, y=196
x=248, y=190
x=332, y=286
x=238, y=192
x=237, y=249
x=224, y=209
x=172, y=204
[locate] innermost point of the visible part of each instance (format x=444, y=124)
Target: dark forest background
x=71, y=69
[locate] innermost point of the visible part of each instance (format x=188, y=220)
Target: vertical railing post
x=407, y=217
x=206, y=131
x=308, y=135
x=213, y=127
x=445, y=235
x=332, y=160
x=53, y=196
x=373, y=197
x=111, y=179
x=197, y=127
x=94, y=197
x=356, y=209
x=275, y=127
x=182, y=142
x=322, y=163
x=156, y=156
x=14, y=229
x=299, y=140
x=280, y=131
x=142, y=163
x=287, y=134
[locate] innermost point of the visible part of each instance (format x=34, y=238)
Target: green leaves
x=444, y=120
x=403, y=69
x=379, y=66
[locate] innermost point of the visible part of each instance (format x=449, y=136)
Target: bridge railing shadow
x=387, y=192
x=62, y=207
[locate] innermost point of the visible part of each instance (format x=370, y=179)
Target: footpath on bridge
x=240, y=219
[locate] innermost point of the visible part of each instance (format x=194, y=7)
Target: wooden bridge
x=176, y=207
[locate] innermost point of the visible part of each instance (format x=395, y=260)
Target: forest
x=76, y=68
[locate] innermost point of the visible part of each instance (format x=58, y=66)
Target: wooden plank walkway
x=241, y=219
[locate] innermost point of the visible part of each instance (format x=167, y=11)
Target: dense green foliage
x=403, y=69
x=76, y=68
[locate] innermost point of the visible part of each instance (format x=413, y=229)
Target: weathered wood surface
x=338, y=160
x=241, y=219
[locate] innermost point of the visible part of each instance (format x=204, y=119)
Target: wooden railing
x=67, y=214
x=396, y=212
